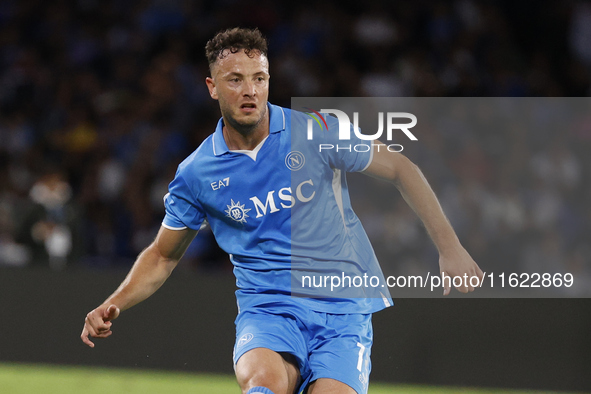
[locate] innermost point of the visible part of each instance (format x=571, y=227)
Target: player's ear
x=211, y=86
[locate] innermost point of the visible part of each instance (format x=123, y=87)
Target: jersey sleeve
x=182, y=208
x=352, y=155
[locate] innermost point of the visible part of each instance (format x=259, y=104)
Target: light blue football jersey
x=283, y=214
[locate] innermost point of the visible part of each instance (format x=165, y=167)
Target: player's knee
x=262, y=367
x=262, y=377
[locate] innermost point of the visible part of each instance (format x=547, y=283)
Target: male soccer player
x=279, y=206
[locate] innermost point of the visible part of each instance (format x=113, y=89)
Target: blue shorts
x=325, y=345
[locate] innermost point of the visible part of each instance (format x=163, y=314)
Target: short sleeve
x=182, y=208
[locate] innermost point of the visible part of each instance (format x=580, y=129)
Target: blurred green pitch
x=32, y=379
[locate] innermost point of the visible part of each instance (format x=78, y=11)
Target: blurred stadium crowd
x=100, y=101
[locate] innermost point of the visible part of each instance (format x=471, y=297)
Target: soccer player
x=279, y=206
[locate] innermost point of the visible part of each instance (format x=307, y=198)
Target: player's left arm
x=454, y=260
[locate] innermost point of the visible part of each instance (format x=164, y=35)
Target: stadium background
x=100, y=100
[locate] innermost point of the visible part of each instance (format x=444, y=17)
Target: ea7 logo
x=221, y=183
x=345, y=125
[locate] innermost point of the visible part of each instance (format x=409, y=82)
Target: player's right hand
x=98, y=323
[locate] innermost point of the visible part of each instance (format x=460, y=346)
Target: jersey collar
x=276, y=124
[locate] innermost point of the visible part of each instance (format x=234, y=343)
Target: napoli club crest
x=295, y=160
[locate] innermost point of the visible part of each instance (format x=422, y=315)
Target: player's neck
x=245, y=139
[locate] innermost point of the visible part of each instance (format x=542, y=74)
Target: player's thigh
x=342, y=353
x=264, y=367
x=270, y=350
x=329, y=386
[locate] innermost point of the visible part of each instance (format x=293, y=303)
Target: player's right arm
x=151, y=269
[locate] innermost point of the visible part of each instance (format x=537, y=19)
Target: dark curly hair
x=235, y=39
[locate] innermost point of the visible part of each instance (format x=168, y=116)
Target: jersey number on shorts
x=360, y=360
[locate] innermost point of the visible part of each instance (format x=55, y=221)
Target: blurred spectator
x=49, y=224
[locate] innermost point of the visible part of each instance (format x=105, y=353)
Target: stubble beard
x=244, y=129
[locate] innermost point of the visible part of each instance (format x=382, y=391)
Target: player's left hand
x=98, y=323
x=458, y=262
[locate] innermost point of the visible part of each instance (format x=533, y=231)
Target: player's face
x=241, y=85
